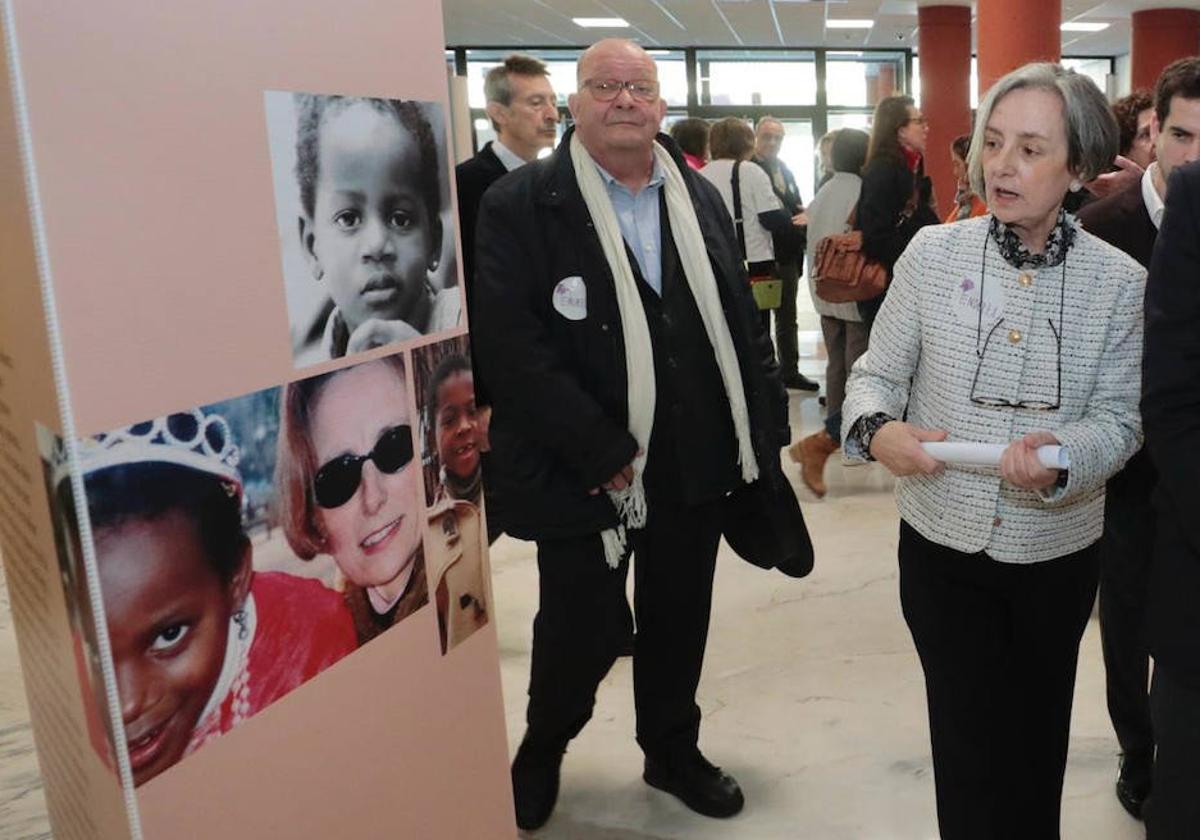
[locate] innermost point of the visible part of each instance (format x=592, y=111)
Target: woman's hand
x=897, y=445
x=376, y=332
x=1019, y=465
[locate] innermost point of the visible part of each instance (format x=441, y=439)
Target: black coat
x=1122, y=220
x=559, y=389
x=473, y=177
x=887, y=188
x=1171, y=417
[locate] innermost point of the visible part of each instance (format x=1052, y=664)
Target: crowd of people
x=634, y=389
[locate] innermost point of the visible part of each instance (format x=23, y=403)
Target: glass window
x=1099, y=70
x=862, y=78
x=672, y=76
x=798, y=153
x=757, y=77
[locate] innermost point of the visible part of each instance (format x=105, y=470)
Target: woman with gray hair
x=1016, y=330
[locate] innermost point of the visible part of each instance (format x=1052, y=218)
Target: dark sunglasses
x=337, y=481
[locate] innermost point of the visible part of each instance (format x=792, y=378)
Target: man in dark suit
x=1171, y=414
x=623, y=418
x=1130, y=219
x=524, y=114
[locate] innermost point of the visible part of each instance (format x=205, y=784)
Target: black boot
x=535, y=781
x=1133, y=782
x=799, y=382
x=697, y=783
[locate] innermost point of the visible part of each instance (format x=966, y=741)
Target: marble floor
x=812, y=697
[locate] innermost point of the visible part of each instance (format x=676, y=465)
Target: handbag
x=767, y=289
x=765, y=527
x=843, y=272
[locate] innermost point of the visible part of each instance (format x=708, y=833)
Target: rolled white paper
x=988, y=454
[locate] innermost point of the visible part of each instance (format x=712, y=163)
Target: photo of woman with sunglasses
x=348, y=487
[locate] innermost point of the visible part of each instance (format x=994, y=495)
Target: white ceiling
x=750, y=23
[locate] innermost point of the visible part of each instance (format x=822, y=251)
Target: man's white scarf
x=639, y=356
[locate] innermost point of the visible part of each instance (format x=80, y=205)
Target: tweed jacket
x=923, y=360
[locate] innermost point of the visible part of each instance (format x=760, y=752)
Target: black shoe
x=535, y=783
x=1133, y=783
x=799, y=382
x=701, y=786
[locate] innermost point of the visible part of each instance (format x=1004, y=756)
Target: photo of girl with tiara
x=363, y=206
x=454, y=436
x=202, y=637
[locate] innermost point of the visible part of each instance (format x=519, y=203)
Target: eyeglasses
x=1001, y=402
x=606, y=90
x=337, y=481
x=918, y=120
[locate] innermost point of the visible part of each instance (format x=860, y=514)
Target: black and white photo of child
x=365, y=223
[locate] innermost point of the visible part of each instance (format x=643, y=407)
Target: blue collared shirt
x=640, y=224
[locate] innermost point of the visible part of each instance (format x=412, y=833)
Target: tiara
x=193, y=439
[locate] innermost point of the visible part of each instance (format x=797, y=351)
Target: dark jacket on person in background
x=473, y=177
x=887, y=189
x=1122, y=220
x=789, y=243
x=1171, y=419
x=560, y=420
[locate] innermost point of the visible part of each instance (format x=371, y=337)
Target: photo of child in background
x=200, y=640
x=348, y=487
x=370, y=224
x=454, y=435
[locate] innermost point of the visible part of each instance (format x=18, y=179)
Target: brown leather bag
x=843, y=273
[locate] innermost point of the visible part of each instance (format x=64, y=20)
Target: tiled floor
x=812, y=697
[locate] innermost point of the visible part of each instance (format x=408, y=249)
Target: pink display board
x=240, y=507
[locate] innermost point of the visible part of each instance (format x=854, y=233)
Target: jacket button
x=1025, y=279
x=1014, y=336
x=996, y=522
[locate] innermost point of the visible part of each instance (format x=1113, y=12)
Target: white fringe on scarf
x=639, y=356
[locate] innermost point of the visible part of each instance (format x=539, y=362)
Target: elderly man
x=524, y=113
x=633, y=389
x=1130, y=220
x=789, y=249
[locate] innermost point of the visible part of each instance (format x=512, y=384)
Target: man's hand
x=897, y=445
x=618, y=482
x=1111, y=182
x=1019, y=465
x=376, y=332
x=800, y=219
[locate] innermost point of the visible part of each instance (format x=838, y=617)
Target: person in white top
x=731, y=143
x=842, y=326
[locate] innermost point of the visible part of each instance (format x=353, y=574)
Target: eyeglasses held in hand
x=1002, y=402
x=606, y=90
x=337, y=481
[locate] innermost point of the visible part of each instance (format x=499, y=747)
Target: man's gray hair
x=1093, y=138
x=496, y=84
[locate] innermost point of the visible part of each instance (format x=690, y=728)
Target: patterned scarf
x=1060, y=240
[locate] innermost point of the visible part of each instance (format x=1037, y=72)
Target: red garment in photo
x=294, y=628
